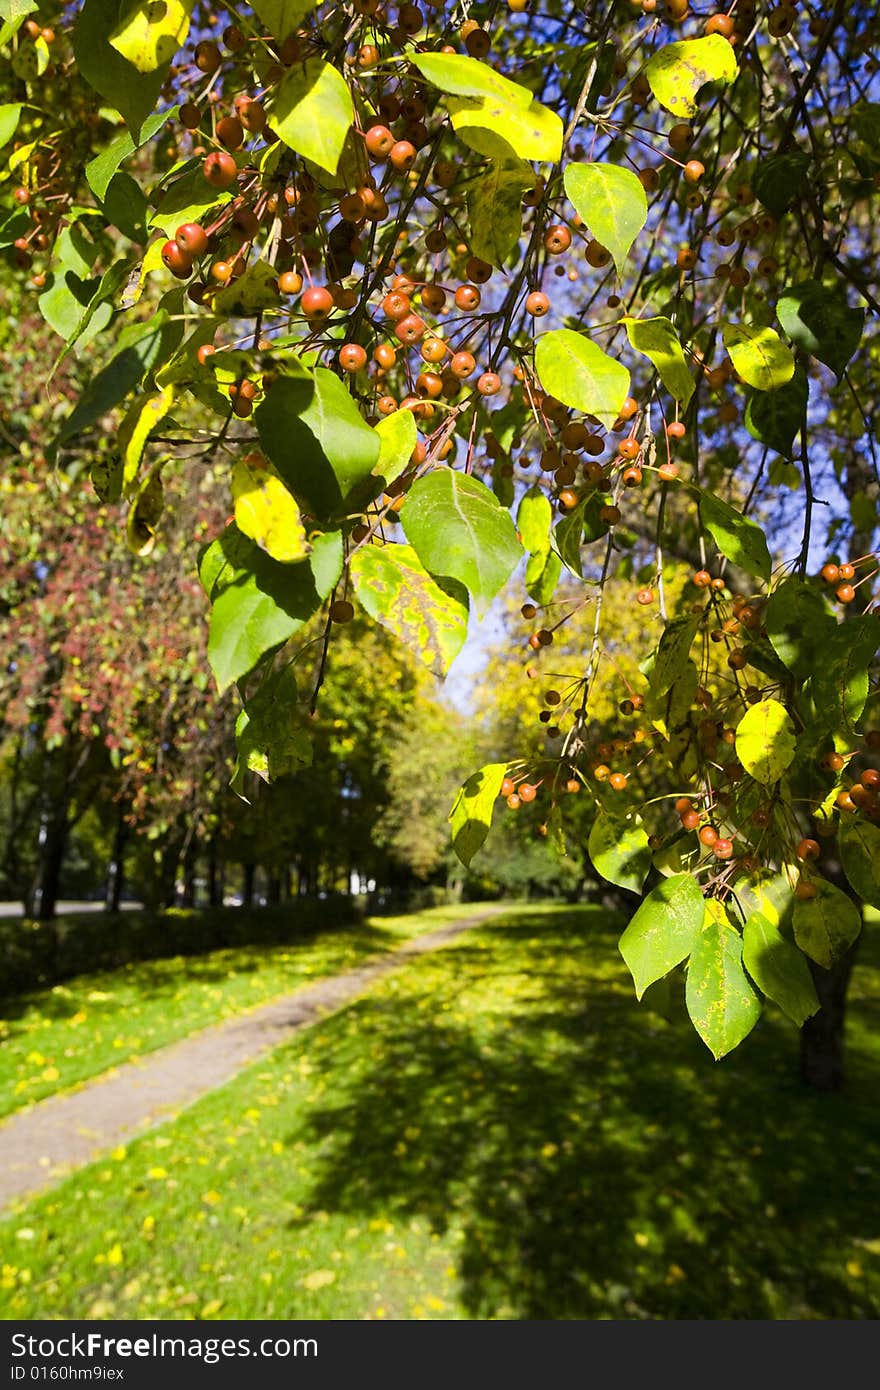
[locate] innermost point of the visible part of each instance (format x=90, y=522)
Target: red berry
x=175, y=259
x=379, y=141
x=316, y=302
x=230, y=132
x=192, y=239
x=220, y=169
x=352, y=357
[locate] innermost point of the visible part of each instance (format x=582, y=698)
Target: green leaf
x=775, y=417
x=397, y=591
x=673, y=653
x=534, y=518
x=71, y=287
x=9, y=117
x=140, y=348
x=99, y=310
x=460, y=531
x=657, y=340
x=542, y=575
x=134, y=94
x=779, y=969
x=612, y=203
x=619, y=850
x=266, y=512
x=187, y=199
x=282, y=17
x=840, y=681
x=269, y=737
x=826, y=926
x=313, y=432
x=798, y=624
x=100, y=170
x=818, y=319
x=859, y=843
x=742, y=541
x=580, y=374
x=151, y=31
x=722, y=1004
x=471, y=815
x=398, y=437
x=459, y=76
x=677, y=71
x=494, y=202
x=126, y=208
x=759, y=355
x=250, y=294
x=765, y=741
x=489, y=111
x=258, y=603
x=779, y=179
x=663, y=931
x=312, y=112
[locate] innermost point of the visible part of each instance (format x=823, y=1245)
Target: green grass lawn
x=496, y=1131
x=53, y=1039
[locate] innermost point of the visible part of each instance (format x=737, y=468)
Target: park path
x=41, y=1145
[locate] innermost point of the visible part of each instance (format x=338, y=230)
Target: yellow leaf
x=145, y=413
x=265, y=510
x=318, y=1279
x=151, y=33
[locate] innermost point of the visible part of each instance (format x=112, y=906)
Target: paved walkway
x=40, y=1145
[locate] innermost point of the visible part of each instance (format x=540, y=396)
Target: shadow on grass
x=592, y=1158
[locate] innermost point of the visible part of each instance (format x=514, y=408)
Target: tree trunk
x=42, y=892
x=116, y=866
x=42, y=896
x=822, y=1035
x=167, y=889
x=273, y=890
x=188, y=896
x=247, y=890
x=215, y=879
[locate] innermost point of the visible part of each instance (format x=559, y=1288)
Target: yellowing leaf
x=533, y=133
x=265, y=510
x=151, y=33
x=759, y=355
x=677, y=71
x=144, y=414
x=765, y=741
x=312, y=112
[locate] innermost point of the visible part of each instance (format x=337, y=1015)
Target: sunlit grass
x=496, y=1131
x=55, y=1038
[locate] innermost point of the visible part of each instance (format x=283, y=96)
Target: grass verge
x=53, y=1039
x=496, y=1131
